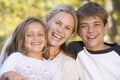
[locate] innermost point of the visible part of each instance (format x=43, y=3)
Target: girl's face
x=35, y=37
x=60, y=28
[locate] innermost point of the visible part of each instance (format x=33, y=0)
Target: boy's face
x=92, y=32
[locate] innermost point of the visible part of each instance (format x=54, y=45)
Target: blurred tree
x=12, y=12
x=115, y=20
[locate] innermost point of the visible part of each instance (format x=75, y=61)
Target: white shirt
x=67, y=66
x=32, y=68
x=104, y=66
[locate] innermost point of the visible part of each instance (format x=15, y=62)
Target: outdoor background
x=12, y=12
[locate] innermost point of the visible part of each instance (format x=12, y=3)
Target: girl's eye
x=40, y=35
x=29, y=35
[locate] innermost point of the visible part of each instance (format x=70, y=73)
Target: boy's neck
x=102, y=47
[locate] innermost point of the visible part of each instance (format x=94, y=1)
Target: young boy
x=96, y=59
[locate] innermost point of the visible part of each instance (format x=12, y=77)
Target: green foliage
x=12, y=12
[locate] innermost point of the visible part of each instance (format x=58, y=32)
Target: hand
x=12, y=76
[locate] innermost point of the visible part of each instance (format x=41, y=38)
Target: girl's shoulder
x=16, y=54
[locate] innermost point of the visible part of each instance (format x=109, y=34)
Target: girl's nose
x=35, y=36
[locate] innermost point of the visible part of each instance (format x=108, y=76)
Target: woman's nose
x=60, y=29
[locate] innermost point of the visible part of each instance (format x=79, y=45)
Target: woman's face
x=60, y=28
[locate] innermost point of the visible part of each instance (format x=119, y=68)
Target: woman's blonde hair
x=63, y=8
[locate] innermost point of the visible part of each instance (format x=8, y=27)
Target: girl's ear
x=106, y=28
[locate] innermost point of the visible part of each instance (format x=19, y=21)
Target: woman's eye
x=57, y=22
x=67, y=28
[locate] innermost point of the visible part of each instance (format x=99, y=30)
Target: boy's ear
x=106, y=28
x=78, y=33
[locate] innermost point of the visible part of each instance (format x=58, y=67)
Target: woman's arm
x=8, y=68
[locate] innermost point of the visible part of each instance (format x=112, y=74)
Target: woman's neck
x=54, y=51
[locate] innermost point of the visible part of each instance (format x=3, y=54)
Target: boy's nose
x=90, y=29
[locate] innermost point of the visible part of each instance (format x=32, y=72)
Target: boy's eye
x=83, y=26
x=97, y=24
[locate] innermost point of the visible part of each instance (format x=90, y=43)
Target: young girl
x=26, y=53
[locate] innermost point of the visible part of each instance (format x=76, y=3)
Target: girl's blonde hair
x=17, y=43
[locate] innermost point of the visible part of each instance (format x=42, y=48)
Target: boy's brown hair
x=92, y=9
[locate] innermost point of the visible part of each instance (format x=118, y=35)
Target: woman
x=61, y=23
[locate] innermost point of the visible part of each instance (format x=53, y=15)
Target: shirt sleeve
x=10, y=63
x=4, y=48
x=74, y=48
